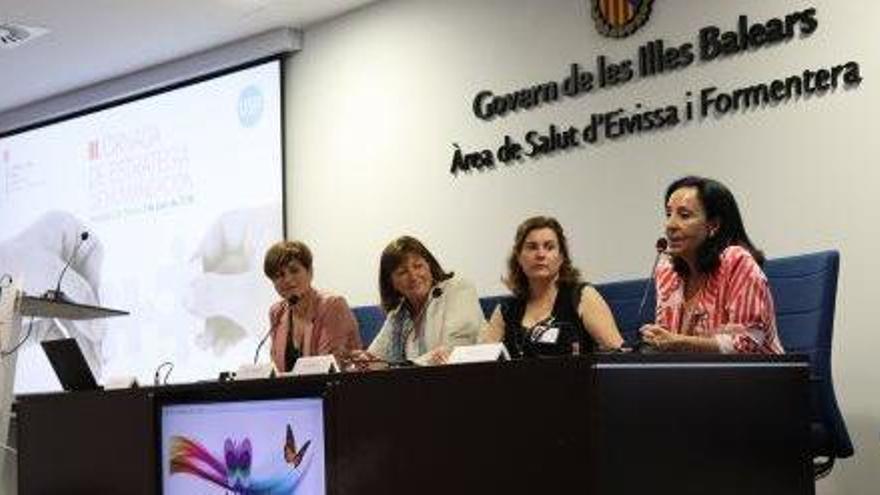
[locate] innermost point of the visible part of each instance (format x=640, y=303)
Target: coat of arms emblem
x=620, y=18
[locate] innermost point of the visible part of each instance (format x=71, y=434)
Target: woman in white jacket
x=429, y=311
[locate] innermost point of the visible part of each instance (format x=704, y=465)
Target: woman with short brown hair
x=306, y=321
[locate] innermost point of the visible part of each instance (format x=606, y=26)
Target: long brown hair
x=392, y=256
x=720, y=205
x=516, y=279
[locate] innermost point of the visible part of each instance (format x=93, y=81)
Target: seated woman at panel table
x=711, y=293
x=306, y=321
x=428, y=311
x=551, y=312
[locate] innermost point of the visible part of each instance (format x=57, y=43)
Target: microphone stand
x=260, y=345
x=291, y=303
x=57, y=295
x=660, y=246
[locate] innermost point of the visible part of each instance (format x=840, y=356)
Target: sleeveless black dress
x=554, y=336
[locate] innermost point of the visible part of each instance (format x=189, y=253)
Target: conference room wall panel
x=378, y=99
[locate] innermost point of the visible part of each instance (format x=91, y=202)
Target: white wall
x=376, y=99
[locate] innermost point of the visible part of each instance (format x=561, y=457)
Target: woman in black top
x=551, y=312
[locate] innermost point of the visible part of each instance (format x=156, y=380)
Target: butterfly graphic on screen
x=238, y=462
x=291, y=455
x=231, y=470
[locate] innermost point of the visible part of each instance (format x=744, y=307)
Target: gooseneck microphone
x=57, y=294
x=660, y=246
x=291, y=301
x=260, y=345
x=156, y=381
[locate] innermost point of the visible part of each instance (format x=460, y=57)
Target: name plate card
x=121, y=382
x=315, y=365
x=255, y=371
x=479, y=353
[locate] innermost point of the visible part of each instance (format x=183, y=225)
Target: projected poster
x=257, y=447
x=181, y=194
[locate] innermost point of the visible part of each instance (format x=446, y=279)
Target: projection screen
x=180, y=192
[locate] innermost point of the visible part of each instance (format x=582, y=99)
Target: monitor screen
x=245, y=447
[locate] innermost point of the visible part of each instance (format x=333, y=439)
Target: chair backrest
x=624, y=299
x=805, y=292
x=370, y=320
x=489, y=303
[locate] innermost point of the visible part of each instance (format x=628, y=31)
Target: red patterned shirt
x=734, y=306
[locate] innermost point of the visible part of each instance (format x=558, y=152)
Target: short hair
x=516, y=279
x=392, y=257
x=282, y=254
x=720, y=205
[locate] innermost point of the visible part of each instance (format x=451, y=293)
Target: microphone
x=660, y=246
x=156, y=381
x=292, y=300
x=57, y=295
x=433, y=294
x=260, y=345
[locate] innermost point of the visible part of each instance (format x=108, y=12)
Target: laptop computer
x=70, y=365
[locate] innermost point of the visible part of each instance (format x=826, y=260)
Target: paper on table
x=479, y=353
x=315, y=365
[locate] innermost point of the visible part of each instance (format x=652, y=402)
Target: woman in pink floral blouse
x=712, y=295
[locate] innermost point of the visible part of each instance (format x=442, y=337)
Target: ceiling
x=93, y=40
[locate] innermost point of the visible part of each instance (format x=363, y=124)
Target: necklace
x=693, y=285
x=539, y=309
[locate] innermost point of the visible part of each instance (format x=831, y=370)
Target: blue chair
x=488, y=304
x=624, y=299
x=804, y=292
x=370, y=319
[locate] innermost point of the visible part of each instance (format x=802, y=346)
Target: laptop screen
x=255, y=446
x=69, y=364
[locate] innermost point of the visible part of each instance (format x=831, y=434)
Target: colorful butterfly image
x=235, y=473
x=189, y=456
x=291, y=455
